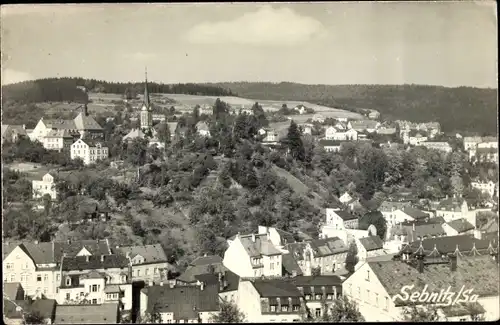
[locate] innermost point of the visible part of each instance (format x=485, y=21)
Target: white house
x=416, y=140
x=318, y=118
x=333, y=133
x=301, y=109
x=44, y=186
x=89, y=151
x=306, y=128
x=270, y=301
x=436, y=145
x=253, y=256
x=330, y=145
x=345, y=198
x=485, y=187
x=340, y=220
x=203, y=129
x=454, y=208
x=369, y=247
x=375, y=285
x=471, y=142
x=458, y=227
x=406, y=214
x=319, y=291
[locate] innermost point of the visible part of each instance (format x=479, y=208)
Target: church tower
x=146, y=114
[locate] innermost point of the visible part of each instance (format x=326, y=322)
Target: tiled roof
x=232, y=280
x=87, y=314
x=286, y=237
x=18, y=129
x=328, y=246
x=112, y=288
x=460, y=225
x=320, y=280
x=345, y=215
x=472, y=139
x=448, y=245
x=10, y=289
x=486, y=150
x=59, y=133
x=490, y=226
x=184, y=302
x=422, y=230
x=290, y=264
x=372, y=243
x=172, y=126
x=93, y=142
x=363, y=124
x=190, y=274
x=206, y=260
x=94, y=262
x=93, y=275
x=150, y=253
x=388, y=206
x=479, y=273
x=135, y=133
x=44, y=307
x=276, y=288
x=261, y=246
x=415, y=213
x=86, y=122
x=60, y=124
x=451, y=204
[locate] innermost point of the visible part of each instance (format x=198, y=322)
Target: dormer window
x=68, y=281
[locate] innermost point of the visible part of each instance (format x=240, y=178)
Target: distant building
x=59, y=140
x=44, y=186
x=330, y=145
x=146, y=114
x=458, y=227
x=345, y=198
x=471, y=142
x=374, y=115
x=320, y=292
x=203, y=129
x=453, y=208
x=485, y=187
x=369, y=126
x=340, y=219
x=158, y=118
x=106, y=313
x=89, y=151
x=134, y=134
x=306, y=128
x=486, y=155
x=333, y=133
x=13, y=132
x=14, y=311
x=369, y=247
x=318, y=118
x=441, y=146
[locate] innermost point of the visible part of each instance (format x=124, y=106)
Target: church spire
x=146, y=93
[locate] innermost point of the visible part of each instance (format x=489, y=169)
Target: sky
x=450, y=43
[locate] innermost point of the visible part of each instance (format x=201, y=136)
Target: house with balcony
x=318, y=292
x=375, y=285
x=270, y=301
x=180, y=304
x=327, y=254
x=95, y=280
x=253, y=255
x=149, y=262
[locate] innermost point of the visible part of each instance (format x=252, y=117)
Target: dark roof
x=286, y=237
x=461, y=225
x=184, y=302
x=11, y=290
x=189, y=276
x=451, y=204
x=388, y=206
x=329, y=143
x=320, y=280
x=486, y=150
x=94, y=262
x=479, y=273
x=232, y=280
x=206, y=260
x=276, y=288
x=415, y=213
x=422, y=230
x=60, y=124
x=44, y=307
x=9, y=128
x=345, y=215
x=261, y=246
x=363, y=124
x=87, y=314
x=91, y=142
x=290, y=265
x=448, y=245
x=372, y=243
x=86, y=122
x=328, y=246
x=150, y=253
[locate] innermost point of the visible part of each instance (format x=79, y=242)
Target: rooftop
x=345, y=215
x=87, y=314
x=150, y=253
x=258, y=245
x=415, y=213
x=44, y=307
x=94, y=262
x=449, y=244
x=86, y=122
x=10, y=289
x=276, y=288
x=372, y=243
x=461, y=225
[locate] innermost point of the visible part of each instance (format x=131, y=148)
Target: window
x=146, y=271
x=318, y=297
x=45, y=290
x=463, y=319
x=9, y=266
x=138, y=272
x=386, y=307
x=367, y=295
x=68, y=281
x=82, y=294
x=13, y=278
x=38, y=278
x=284, y=308
x=273, y=308
x=368, y=275
x=317, y=312
x=376, y=299
x=46, y=277
x=329, y=296
x=156, y=270
x=94, y=288
x=94, y=301
x=308, y=297
x=68, y=296
x=296, y=308
x=272, y=266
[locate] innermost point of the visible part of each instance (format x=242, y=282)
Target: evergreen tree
x=164, y=133
x=294, y=142
x=352, y=258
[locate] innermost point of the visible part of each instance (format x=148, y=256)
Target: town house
x=327, y=254
x=334, y=133
x=318, y=292
x=253, y=256
x=340, y=219
x=458, y=227
x=199, y=266
x=375, y=283
x=330, y=145
x=89, y=150
x=388, y=209
x=13, y=132
x=369, y=247
x=454, y=208
x=471, y=142
x=270, y=301
x=95, y=280
x=406, y=214
x=436, y=145
x=58, y=140
x=180, y=304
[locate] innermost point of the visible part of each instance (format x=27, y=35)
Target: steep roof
x=363, y=124
x=87, y=314
x=320, y=280
x=206, y=260
x=184, y=302
x=10, y=289
x=329, y=143
x=328, y=246
x=59, y=133
x=92, y=142
x=461, y=225
x=10, y=128
x=451, y=204
x=490, y=226
x=43, y=307
x=372, y=243
x=261, y=246
x=286, y=237
x=276, y=288
x=172, y=126
x=94, y=262
x=345, y=215
x=290, y=265
x=422, y=230
x=60, y=124
x=415, y=213
x=150, y=253
x=388, y=206
x=86, y=122
x=478, y=273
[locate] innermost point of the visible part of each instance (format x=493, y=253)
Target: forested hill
x=462, y=109
x=65, y=89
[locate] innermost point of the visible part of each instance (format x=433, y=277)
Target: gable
x=366, y=279
x=84, y=252
x=20, y=257
x=138, y=259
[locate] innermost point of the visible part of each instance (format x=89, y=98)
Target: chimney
x=102, y=258
x=202, y=286
x=87, y=258
x=253, y=238
x=414, y=226
x=453, y=262
x=161, y=283
x=420, y=264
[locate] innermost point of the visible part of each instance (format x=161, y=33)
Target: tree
x=377, y=219
x=229, y=313
x=316, y=271
x=352, y=258
x=457, y=185
x=152, y=316
x=343, y=310
x=294, y=142
x=164, y=133
x=196, y=113
x=414, y=313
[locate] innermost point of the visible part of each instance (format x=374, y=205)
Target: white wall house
x=485, y=187
x=58, y=140
x=369, y=247
x=339, y=219
x=89, y=151
x=334, y=133
x=345, y=198
x=454, y=208
x=441, y=146
x=44, y=186
x=203, y=129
